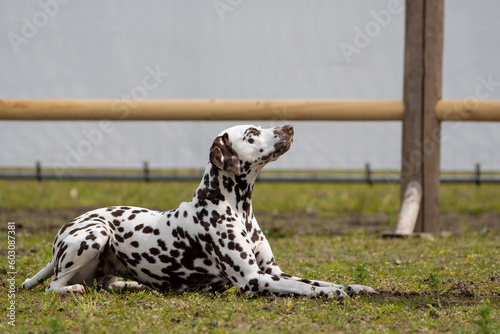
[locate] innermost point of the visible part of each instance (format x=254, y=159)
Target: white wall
x=254, y=49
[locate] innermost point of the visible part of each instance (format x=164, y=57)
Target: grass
x=443, y=285
x=327, y=199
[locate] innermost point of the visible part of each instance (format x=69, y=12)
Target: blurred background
x=239, y=49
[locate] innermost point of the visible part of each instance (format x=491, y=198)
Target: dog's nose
x=288, y=129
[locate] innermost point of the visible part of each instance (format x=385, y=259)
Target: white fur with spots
x=209, y=244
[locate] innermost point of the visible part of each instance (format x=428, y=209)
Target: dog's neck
x=225, y=188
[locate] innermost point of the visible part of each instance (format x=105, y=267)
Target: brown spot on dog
x=83, y=246
x=117, y=213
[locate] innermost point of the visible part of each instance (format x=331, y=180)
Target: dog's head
x=242, y=147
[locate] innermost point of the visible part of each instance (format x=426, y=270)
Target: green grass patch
x=327, y=199
x=424, y=285
x=317, y=231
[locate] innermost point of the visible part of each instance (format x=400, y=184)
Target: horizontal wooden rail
x=191, y=110
x=468, y=110
x=220, y=110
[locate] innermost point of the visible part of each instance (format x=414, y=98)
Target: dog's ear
x=223, y=156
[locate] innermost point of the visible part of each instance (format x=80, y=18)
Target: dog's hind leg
x=110, y=269
x=114, y=285
x=41, y=276
x=76, y=259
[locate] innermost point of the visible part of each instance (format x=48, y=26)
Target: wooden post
x=422, y=91
x=410, y=207
x=412, y=97
x=431, y=141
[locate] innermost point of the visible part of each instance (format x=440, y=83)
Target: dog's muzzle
x=285, y=134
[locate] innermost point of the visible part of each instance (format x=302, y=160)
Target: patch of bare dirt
x=283, y=224
x=276, y=224
x=452, y=292
x=35, y=220
x=461, y=223
x=304, y=223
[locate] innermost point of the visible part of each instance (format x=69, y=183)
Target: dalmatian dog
x=209, y=244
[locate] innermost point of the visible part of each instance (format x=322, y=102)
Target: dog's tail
x=42, y=275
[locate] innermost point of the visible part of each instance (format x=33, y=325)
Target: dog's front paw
x=26, y=284
x=338, y=294
x=360, y=289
